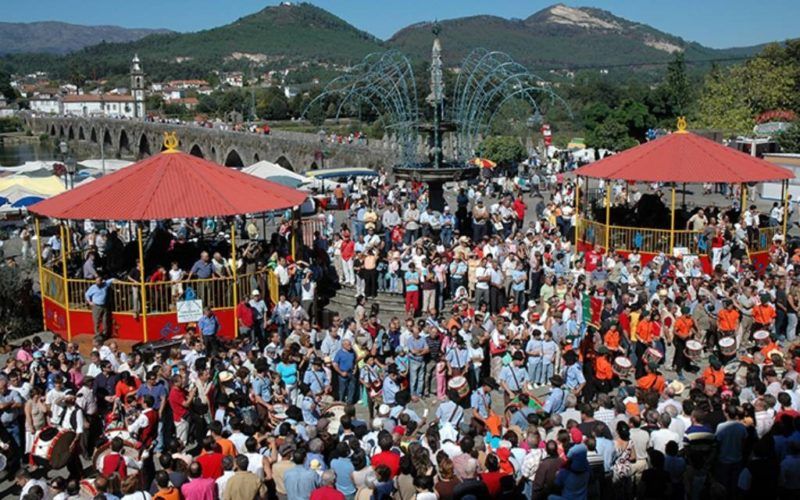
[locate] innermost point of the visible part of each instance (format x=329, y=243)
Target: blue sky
x=715, y=23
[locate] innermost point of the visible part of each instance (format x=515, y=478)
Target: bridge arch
x=144, y=146
x=70, y=134
x=214, y=154
x=93, y=136
x=52, y=130
x=233, y=159
x=81, y=134
x=61, y=131
x=107, y=140
x=256, y=158
x=285, y=163
x=124, y=143
x=197, y=151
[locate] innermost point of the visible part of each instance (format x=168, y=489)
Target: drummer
x=513, y=377
x=652, y=380
x=603, y=371
x=316, y=378
x=685, y=329
x=449, y=411
x=481, y=399
x=457, y=357
x=714, y=374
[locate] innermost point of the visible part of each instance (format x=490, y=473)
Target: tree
x=611, y=134
x=153, y=102
x=6, y=90
x=789, y=140
x=502, y=149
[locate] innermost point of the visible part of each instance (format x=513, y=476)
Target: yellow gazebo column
x=142, y=288
x=785, y=211
x=577, y=209
x=744, y=202
x=672, y=224
x=235, y=280
x=41, y=270
x=66, y=280
x=608, y=213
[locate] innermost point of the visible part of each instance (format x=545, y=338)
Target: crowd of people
x=523, y=368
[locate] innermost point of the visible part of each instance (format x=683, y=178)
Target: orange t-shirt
x=644, y=331
x=612, y=339
x=227, y=447
x=713, y=377
x=683, y=327
x=763, y=314
x=728, y=320
x=651, y=382
x=602, y=369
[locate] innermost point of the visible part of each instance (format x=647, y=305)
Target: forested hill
x=61, y=38
x=559, y=37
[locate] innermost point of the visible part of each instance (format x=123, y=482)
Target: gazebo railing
x=657, y=241
x=52, y=285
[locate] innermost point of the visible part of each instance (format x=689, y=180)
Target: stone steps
x=390, y=304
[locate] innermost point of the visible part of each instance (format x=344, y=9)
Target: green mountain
x=559, y=37
x=61, y=38
x=285, y=33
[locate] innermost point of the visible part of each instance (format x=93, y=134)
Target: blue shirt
x=514, y=377
x=261, y=387
x=555, y=401
x=574, y=376
x=343, y=467
x=158, y=391
x=416, y=344
x=316, y=380
x=97, y=294
x=457, y=357
x=412, y=276
x=481, y=402
x=202, y=270
x=390, y=389
x=299, y=482
x=345, y=360
x=208, y=325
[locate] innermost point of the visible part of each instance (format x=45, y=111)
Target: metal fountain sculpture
x=487, y=80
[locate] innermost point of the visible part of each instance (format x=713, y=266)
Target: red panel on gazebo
x=684, y=157
x=170, y=185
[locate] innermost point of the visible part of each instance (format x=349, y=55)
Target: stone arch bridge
x=139, y=139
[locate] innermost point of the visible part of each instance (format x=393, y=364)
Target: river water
x=16, y=154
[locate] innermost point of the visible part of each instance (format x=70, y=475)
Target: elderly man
x=97, y=299
x=344, y=363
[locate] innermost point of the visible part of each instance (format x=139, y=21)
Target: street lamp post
x=63, y=147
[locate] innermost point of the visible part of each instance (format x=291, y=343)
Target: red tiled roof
x=98, y=98
x=170, y=185
x=684, y=158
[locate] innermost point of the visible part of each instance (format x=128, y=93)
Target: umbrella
x=28, y=200
x=483, y=162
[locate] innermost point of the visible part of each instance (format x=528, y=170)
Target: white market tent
x=268, y=170
x=112, y=165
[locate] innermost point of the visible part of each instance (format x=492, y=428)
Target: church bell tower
x=137, y=88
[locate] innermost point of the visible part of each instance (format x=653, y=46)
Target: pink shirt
x=24, y=356
x=200, y=488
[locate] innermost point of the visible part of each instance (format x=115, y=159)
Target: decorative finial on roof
x=171, y=142
x=681, y=125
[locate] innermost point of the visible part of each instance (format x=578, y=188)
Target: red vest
x=149, y=433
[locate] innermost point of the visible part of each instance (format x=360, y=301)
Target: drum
x=88, y=490
x=727, y=346
x=694, y=350
x=761, y=338
x=279, y=411
x=129, y=450
x=622, y=366
x=334, y=412
x=51, y=447
x=652, y=355
x=120, y=432
x=460, y=385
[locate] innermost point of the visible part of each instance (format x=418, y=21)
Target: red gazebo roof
x=684, y=157
x=170, y=185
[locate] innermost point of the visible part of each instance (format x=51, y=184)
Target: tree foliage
x=502, y=149
x=789, y=140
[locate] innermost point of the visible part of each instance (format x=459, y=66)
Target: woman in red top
x=493, y=476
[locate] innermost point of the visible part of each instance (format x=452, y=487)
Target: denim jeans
x=416, y=373
x=535, y=366
x=791, y=326
x=347, y=388
x=446, y=236
x=546, y=372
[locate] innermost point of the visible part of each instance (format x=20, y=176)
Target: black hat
x=557, y=380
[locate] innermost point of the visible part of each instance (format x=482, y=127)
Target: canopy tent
x=111, y=165
x=169, y=185
x=48, y=186
x=15, y=193
x=683, y=157
x=29, y=166
x=27, y=201
x=267, y=170
x=336, y=173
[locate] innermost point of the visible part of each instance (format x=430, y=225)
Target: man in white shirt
x=660, y=438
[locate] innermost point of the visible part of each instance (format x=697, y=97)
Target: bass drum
x=51, y=447
x=334, y=413
x=88, y=490
x=129, y=450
